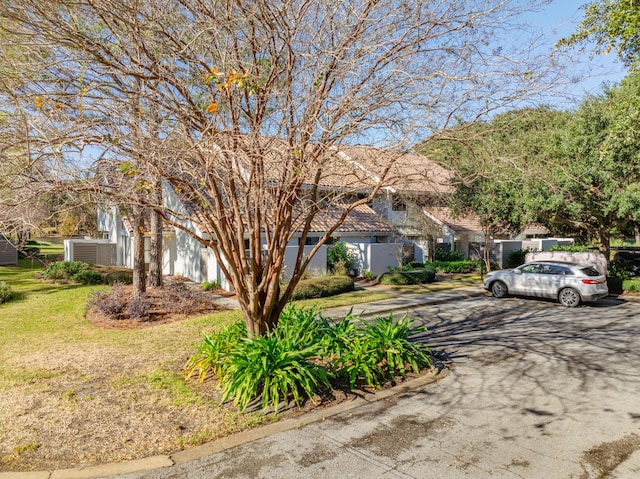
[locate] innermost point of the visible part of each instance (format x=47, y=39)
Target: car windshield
x=591, y=271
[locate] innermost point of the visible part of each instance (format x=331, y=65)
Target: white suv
x=569, y=283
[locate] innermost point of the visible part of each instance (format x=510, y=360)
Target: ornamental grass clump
x=303, y=354
x=5, y=292
x=267, y=367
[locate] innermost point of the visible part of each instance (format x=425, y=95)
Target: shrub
x=573, y=249
x=87, y=276
x=213, y=352
x=396, y=278
x=114, y=274
x=110, y=302
x=282, y=364
x=464, y=266
x=373, y=352
x=516, y=257
x=340, y=259
x=211, y=286
x=390, y=341
x=322, y=287
x=368, y=275
x=5, y=292
x=139, y=308
x=300, y=355
x=448, y=256
x=63, y=270
x=414, y=276
x=179, y=295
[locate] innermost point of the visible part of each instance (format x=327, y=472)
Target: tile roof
x=409, y=173
x=460, y=224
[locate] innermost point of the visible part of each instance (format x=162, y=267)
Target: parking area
x=535, y=390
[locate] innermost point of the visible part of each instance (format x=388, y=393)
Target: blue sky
x=559, y=19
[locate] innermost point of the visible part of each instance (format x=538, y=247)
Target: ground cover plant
x=304, y=354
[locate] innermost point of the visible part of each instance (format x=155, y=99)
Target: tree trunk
x=604, y=243
x=139, y=271
x=154, y=279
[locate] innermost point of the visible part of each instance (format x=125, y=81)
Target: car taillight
x=592, y=281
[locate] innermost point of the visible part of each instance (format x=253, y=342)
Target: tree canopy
x=612, y=25
x=239, y=107
x=572, y=171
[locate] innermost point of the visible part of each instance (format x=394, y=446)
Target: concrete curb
x=192, y=454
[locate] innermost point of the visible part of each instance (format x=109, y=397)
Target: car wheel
x=569, y=297
x=498, y=289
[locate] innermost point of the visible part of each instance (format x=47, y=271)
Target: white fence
x=377, y=257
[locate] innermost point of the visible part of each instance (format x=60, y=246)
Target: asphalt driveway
x=536, y=390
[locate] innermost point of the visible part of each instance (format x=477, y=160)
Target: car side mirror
x=517, y=271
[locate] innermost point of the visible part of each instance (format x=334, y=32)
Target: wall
x=376, y=257
x=317, y=266
x=8, y=254
x=597, y=260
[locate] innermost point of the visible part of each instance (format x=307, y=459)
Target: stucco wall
x=596, y=260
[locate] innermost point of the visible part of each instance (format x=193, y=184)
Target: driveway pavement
x=535, y=391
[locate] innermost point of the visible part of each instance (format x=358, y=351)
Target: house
x=370, y=237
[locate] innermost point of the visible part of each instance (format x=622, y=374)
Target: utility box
x=90, y=251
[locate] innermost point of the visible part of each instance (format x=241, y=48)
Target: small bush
x=213, y=352
x=322, y=287
x=516, y=257
x=114, y=274
x=110, y=302
x=180, y=295
x=390, y=340
x=5, y=292
x=340, y=259
x=368, y=275
x=139, y=308
x=211, y=286
x=87, y=276
x=397, y=278
x=414, y=276
x=63, y=270
x=464, y=266
x=448, y=256
x=572, y=249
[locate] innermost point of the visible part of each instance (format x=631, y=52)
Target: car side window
x=531, y=268
x=557, y=269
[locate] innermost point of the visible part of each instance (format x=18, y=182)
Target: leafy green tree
x=612, y=25
x=499, y=166
x=574, y=172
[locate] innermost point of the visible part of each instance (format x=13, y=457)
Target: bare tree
x=255, y=99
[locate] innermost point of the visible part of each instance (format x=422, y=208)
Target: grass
x=631, y=285
x=54, y=363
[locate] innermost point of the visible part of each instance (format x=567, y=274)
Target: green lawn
x=57, y=366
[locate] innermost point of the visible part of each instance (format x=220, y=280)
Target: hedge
x=413, y=276
x=322, y=287
x=464, y=266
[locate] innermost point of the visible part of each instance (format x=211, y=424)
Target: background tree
x=254, y=99
x=612, y=25
x=574, y=172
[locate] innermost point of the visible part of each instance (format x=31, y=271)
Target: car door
x=524, y=279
